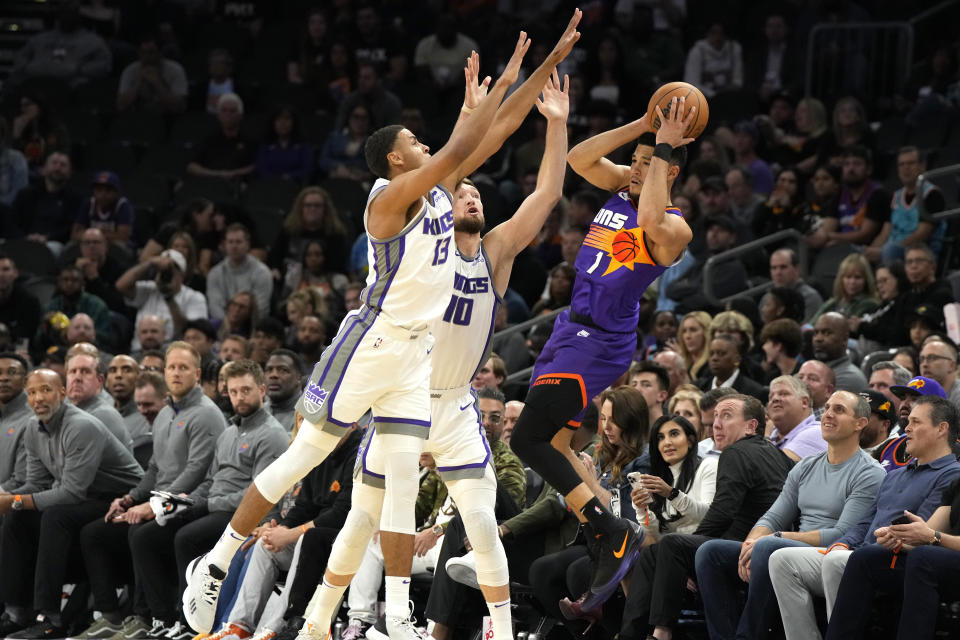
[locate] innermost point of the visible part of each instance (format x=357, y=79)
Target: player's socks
x=327, y=601
x=222, y=553
x=501, y=617
x=397, y=591
x=602, y=521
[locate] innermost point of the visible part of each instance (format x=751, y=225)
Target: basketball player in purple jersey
x=634, y=237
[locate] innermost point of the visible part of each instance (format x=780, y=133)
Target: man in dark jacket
x=750, y=475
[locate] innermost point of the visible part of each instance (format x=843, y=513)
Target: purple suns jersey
x=614, y=267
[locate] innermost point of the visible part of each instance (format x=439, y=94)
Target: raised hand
x=554, y=103
x=512, y=71
x=673, y=126
x=567, y=40
x=474, y=91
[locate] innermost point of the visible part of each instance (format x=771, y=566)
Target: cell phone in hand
x=900, y=520
x=634, y=478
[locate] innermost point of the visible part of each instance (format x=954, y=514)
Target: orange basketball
x=695, y=98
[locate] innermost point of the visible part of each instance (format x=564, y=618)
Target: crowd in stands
x=181, y=195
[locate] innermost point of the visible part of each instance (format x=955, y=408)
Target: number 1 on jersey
x=440, y=251
x=596, y=263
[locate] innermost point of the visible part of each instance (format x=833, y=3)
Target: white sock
x=502, y=620
x=326, y=600
x=398, y=596
x=226, y=547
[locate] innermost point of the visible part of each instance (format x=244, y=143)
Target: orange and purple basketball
x=695, y=98
x=625, y=247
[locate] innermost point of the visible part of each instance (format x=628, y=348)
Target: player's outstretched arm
x=509, y=238
x=588, y=158
x=387, y=211
x=668, y=232
x=515, y=108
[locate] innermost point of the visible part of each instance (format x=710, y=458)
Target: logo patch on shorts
x=314, y=397
x=583, y=333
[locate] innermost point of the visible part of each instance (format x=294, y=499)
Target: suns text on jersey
x=610, y=219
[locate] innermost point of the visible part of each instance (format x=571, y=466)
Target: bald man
x=820, y=380
x=81, y=329
x=43, y=516
x=675, y=366
x=151, y=332
x=830, y=335
x=122, y=375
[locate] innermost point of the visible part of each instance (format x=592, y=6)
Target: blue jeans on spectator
x=923, y=576
x=231, y=586
x=719, y=582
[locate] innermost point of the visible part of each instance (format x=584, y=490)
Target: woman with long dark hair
x=284, y=154
x=623, y=428
x=681, y=484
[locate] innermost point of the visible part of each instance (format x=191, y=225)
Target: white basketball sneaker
x=203, y=591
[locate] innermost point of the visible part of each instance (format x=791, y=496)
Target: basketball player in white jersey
x=379, y=359
x=463, y=336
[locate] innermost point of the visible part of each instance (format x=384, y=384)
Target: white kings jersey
x=464, y=330
x=408, y=270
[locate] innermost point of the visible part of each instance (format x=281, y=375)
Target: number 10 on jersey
x=458, y=311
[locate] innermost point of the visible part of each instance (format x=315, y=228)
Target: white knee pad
x=309, y=448
x=361, y=524
x=475, y=501
x=401, y=461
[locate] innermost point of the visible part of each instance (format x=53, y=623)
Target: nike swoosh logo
x=406, y=582
x=466, y=405
x=502, y=604
x=623, y=547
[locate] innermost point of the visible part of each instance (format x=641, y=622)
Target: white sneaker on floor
x=203, y=590
x=405, y=628
x=463, y=569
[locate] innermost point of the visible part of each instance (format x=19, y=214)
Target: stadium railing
x=746, y=248
x=524, y=374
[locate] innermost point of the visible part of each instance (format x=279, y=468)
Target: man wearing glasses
x=938, y=360
x=921, y=267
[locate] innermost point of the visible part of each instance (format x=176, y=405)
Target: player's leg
x=402, y=418
x=345, y=557
x=341, y=388
x=476, y=500
x=556, y=401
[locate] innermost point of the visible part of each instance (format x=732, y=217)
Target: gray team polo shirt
x=103, y=411
x=16, y=417
x=137, y=425
x=184, y=440
x=73, y=458
x=244, y=450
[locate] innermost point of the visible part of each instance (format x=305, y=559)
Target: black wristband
x=663, y=151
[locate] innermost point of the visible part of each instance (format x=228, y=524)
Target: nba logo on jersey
x=377, y=343
x=314, y=396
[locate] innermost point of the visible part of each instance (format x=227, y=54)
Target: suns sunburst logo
x=623, y=247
